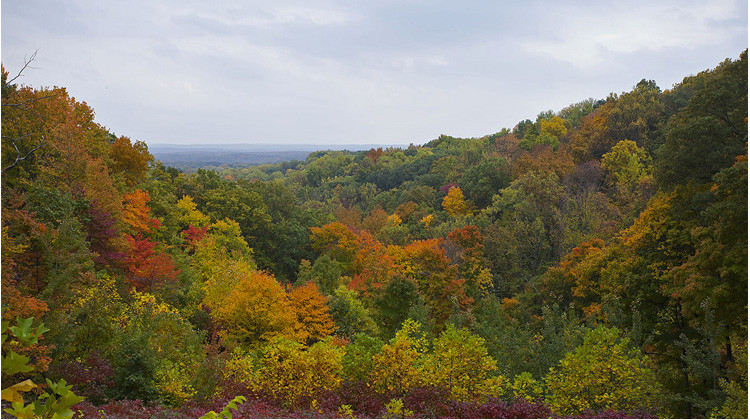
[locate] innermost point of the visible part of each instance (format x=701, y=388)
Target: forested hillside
x=589, y=262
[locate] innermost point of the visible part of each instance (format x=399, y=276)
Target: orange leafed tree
x=437, y=279
x=130, y=160
x=546, y=160
x=16, y=300
x=468, y=247
x=577, y=277
x=136, y=213
x=314, y=320
x=374, y=265
x=23, y=270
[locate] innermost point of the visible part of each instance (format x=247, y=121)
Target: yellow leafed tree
x=252, y=307
x=455, y=203
x=397, y=368
x=460, y=363
x=189, y=213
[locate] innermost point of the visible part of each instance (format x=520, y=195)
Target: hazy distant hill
x=190, y=157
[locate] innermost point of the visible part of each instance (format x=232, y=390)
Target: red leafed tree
x=148, y=267
x=193, y=235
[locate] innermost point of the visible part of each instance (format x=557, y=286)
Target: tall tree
x=706, y=135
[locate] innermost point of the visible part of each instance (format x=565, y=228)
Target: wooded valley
x=591, y=262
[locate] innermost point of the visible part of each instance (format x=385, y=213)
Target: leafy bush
x=358, y=359
x=364, y=403
x=119, y=409
x=605, y=373
x=288, y=371
x=459, y=362
x=53, y=404
x=428, y=401
x=92, y=377
x=397, y=368
x=135, y=368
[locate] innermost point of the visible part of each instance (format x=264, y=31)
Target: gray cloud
x=334, y=71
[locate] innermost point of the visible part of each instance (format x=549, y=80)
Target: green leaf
x=20, y=411
x=225, y=413
x=3, y=328
x=14, y=363
x=23, y=332
x=41, y=329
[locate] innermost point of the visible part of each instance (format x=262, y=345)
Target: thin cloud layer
x=355, y=72
x=649, y=27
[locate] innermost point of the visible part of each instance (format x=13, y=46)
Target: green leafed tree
x=459, y=362
x=605, y=373
x=707, y=135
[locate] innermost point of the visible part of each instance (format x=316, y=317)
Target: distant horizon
x=274, y=146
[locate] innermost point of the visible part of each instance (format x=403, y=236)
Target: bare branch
x=15, y=139
x=20, y=158
x=25, y=64
x=21, y=104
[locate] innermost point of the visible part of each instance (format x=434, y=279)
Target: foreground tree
x=255, y=308
x=605, y=373
x=460, y=363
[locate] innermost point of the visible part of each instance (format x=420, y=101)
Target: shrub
x=605, y=373
x=397, y=368
x=428, y=401
x=92, y=378
x=358, y=360
x=459, y=362
x=288, y=371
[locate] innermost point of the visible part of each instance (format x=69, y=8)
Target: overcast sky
x=388, y=72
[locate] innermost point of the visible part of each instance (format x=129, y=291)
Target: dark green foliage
x=575, y=112
x=68, y=260
x=393, y=305
x=349, y=314
x=357, y=361
x=706, y=135
x=52, y=205
x=134, y=368
x=522, y=346
x=392, y=177
x=525, y=127
x=325, y=272
x=480, y=182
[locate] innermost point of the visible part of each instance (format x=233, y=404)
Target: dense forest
x=589, y=263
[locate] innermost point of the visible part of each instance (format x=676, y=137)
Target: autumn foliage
x=314, y=321
x=590, y=262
